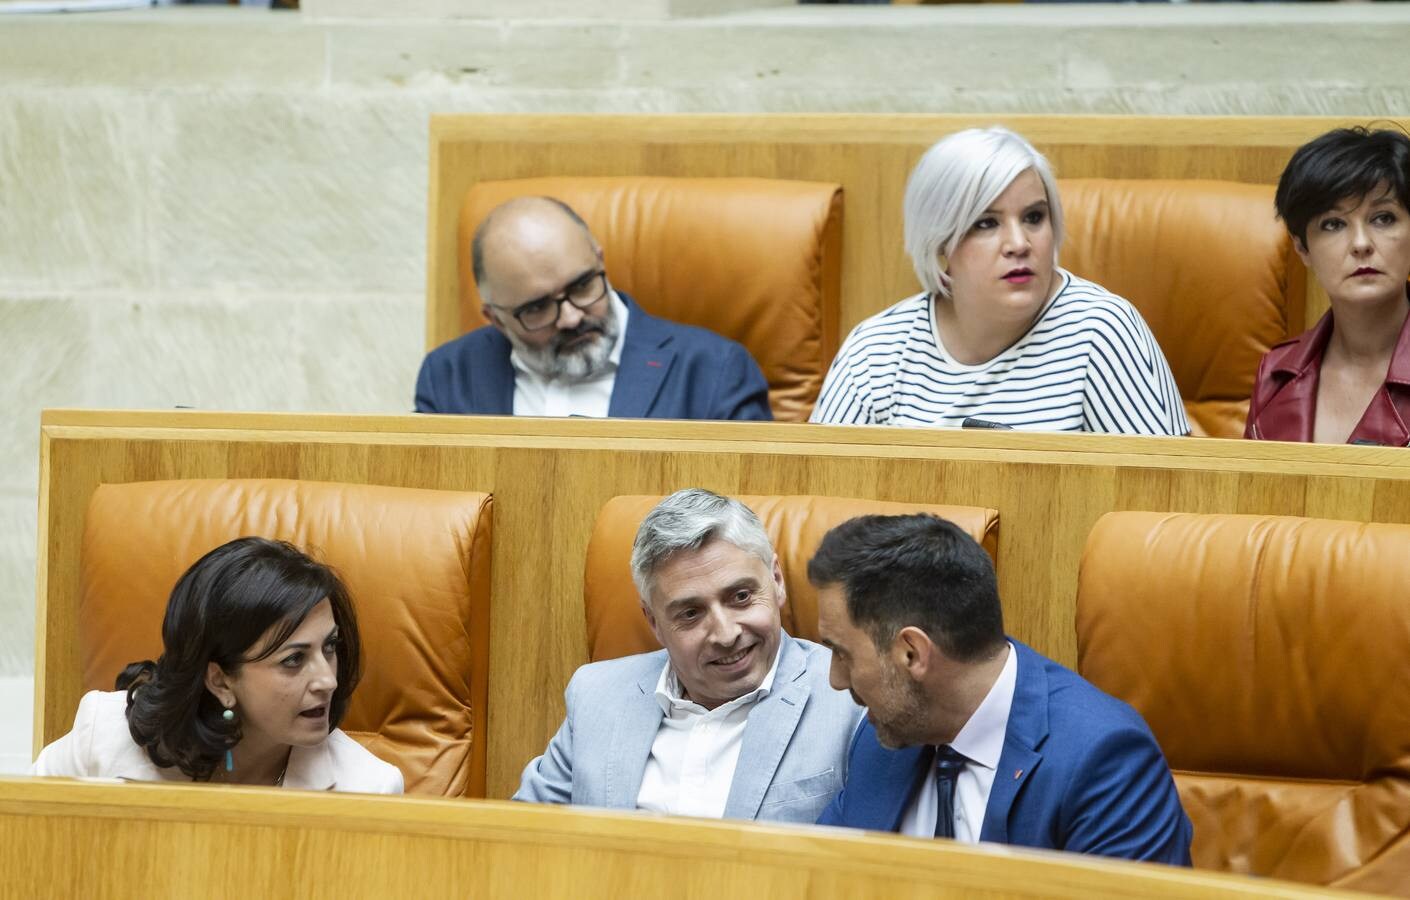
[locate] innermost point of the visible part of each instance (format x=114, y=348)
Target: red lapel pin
x=652, y=362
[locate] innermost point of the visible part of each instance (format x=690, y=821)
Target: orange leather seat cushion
x=1210, y=268
x=795, y=525
x=755, y=260
x=1271, y=657
x=416, y=562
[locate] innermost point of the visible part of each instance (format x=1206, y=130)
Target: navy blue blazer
x=1080, y=771
x=667, y=371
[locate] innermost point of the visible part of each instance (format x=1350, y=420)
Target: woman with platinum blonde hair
x=1001, y=335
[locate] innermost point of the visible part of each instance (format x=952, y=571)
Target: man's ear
x=782, y=589
x=491, y=315
x=914, y=651
x=218, y=683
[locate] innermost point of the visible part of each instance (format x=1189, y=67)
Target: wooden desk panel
x=869, y=155
x=73, y=839
x=550, y=478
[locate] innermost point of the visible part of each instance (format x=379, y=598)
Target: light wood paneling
x=869, y=155
x=550, y=478
x=68, y=839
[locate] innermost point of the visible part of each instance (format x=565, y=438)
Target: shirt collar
x=1304, y=350
x=669, y=695
x=614, y=359
x=1307, y=348
x=981, y=739
x=619, y=309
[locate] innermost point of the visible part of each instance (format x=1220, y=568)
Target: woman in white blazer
x=260, y=657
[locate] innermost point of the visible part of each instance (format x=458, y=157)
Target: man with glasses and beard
x=562, y=342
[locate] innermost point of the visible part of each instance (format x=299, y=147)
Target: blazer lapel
x=646, y=361
x=768, y=733
x=1382, y=422
x=881, y=783
x=493, y=394
x=1295, y=367
x=138, y=766
x=1027, y=729
x=310, y=769
x=1289, y=413
x=631, y=742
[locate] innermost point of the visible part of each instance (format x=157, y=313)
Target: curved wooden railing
x=62, y=838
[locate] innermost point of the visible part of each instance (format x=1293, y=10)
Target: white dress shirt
x=535, y=395
x=981, y=740
x=693, y=758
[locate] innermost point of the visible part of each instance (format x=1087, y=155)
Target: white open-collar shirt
x=535, y=395
x=696, y=750
x=981, y=741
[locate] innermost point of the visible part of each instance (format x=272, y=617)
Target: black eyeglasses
x=541, y=313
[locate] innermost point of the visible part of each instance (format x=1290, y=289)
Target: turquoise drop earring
x=229, y=716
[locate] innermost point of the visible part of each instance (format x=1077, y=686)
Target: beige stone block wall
x=225, y=208
x=524, y=9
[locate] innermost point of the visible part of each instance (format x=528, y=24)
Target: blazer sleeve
x=426, y=389
x=549, y=778
x=1123, y=802
x=836, y=811
x=392, y=783
x=834, y=815
x=743, y=393
x=1256, y=400
x=71, y=756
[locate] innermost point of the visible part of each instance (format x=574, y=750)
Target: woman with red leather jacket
x=1345, y=198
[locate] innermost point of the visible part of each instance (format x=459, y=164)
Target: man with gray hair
x=734, y=718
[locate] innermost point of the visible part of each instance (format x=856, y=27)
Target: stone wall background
x=225, y=208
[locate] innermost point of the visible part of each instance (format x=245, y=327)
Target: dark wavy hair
x=217, y=613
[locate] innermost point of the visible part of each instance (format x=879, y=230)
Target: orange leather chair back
x=795, y=525
x=1209, y=266
x=1271, y=657
x=416, y=562
x=755, y=260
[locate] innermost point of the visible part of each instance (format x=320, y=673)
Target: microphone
x=976, y=422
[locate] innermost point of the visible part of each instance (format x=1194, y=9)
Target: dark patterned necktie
x=948, y=765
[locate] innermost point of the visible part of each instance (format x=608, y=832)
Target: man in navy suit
x=562, y=343
x=969, y=734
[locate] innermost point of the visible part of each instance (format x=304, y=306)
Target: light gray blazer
x=793, y=760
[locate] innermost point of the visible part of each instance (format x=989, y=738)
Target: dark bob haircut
x=1343, y=164
x=921, y=570
x=217, y=613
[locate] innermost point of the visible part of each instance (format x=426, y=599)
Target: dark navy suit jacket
x=1080, y=771
x=667, y=371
